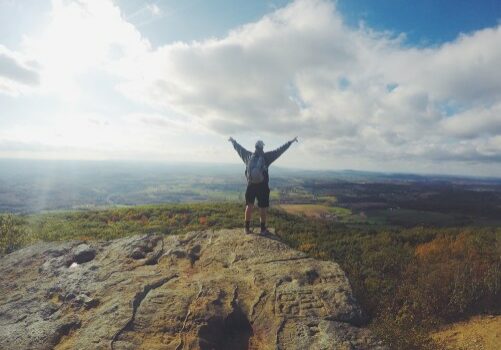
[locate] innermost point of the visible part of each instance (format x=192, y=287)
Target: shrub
x=12, y=234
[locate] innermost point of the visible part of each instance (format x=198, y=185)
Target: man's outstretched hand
x=294, y=139
x=231, y=139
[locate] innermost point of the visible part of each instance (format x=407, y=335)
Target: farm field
x=317, y=211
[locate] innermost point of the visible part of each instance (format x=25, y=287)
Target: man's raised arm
x=242, y=152
x=273, y=155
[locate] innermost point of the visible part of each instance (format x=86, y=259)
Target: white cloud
x=475, y=122
x=17, y=73
x=154, y=9
x=81, y=37
x=348, y=93
x=300, y=70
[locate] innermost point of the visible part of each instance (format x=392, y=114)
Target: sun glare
x=80, y=38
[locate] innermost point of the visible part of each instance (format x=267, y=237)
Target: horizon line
x=312, y=170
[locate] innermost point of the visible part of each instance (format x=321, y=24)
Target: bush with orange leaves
x=454, y=276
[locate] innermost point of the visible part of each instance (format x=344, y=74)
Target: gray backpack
x=256, y=168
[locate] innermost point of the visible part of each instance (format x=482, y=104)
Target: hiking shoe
x=247, y=231
x=265, y=232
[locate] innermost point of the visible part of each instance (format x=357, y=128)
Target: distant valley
x=351, y=197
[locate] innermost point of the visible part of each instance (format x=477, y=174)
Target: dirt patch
x=478, y=333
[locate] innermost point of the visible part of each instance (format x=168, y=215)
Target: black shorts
x=260, y=191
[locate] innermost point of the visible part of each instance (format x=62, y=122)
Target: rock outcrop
x=203, y=290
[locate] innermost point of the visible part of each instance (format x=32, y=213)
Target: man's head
x=259, y=145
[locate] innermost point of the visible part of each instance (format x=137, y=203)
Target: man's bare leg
x=248, y=212
x=248, y=217
x=262, y=212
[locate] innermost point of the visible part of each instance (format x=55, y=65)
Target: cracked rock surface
x=203, y=290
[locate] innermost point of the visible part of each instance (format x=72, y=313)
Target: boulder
x=203, y=290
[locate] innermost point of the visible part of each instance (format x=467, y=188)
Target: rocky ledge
x=203, y=290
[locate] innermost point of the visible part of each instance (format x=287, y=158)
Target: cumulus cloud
x=16, y=73
x=475, y=122
x=347, y=92
x=301, y=70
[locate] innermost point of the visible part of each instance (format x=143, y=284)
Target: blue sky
x=383, y=85
x=195, y=19
x=424, y=22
